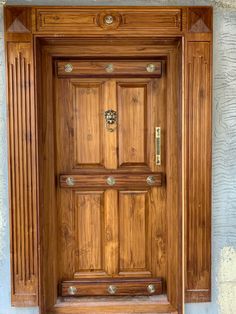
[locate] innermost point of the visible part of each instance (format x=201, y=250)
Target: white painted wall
x=224, y=157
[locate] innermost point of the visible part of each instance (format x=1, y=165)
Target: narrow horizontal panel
x=150, y=68
x=115, y=181
x=112, y=286
x=118, y=20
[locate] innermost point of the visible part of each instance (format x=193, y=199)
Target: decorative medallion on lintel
x=109, y=20
x=18, y=20
x=199, y=20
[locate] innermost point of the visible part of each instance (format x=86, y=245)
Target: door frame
x=25, y=28
x=47, y=52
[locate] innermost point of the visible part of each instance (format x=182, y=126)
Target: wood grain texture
x=18, y=24
x=138, y=218
x=200, y=20
x=122, y=181
x=87, y=124
x=89, y=233
x=134, y=242
x=59, y=157
x=124, y=287
x=23, y=174
x=18, y=20
x=133, y=103
x=125, y=21
x=198, y=214
x=100, y=68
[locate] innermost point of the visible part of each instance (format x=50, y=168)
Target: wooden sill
x=109, y=304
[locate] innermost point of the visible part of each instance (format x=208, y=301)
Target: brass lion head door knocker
x=110, y=120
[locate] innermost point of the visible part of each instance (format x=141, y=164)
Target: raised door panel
x=87, y=140
x=81, y=236
x=89, y=233
x=133, y=106
x=142, y=233
x=82, y=141
x=134, y=235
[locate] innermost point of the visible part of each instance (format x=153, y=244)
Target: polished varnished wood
x=23, y=174
x=200, y=20
x=123, y=287
x=100, y=68
x=157, y=198
x=198, y=219
x=187, y=180
x=122, y=181
x=126, y=21
x=97, y=212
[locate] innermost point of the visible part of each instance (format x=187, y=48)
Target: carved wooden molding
x=198, y=173
x=23, y=174
x=22, y=25
x=123, y=21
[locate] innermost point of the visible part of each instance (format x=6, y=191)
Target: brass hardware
x=151, y=68
x=68, y=68
x=112, y=289
x=151, y=288
x=108, y=19
x=111, y=181
x=72, y=290
x=109, y=68
x=158, y=146
x=70, y=181
x=110, y=119
x=150, y=180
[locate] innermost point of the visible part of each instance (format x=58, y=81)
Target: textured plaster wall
x=224, y=157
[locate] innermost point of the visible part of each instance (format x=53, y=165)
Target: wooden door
x=110, y=164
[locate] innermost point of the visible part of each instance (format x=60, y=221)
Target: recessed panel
x=89, y=225
x=133, y=110
x=133, y=222
x=87, y=118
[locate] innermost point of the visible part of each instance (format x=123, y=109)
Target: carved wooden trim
x=23, y=174
x=126, y=21
x=198, y=172
x=199, y=20
x=22, y=26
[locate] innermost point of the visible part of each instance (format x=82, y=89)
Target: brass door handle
x=158, y=145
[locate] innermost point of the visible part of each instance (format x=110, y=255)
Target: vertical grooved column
x=23, y=174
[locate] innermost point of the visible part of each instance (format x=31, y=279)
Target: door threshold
x=114, y=299
x=110, y=304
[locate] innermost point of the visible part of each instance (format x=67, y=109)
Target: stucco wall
x=224, y=157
